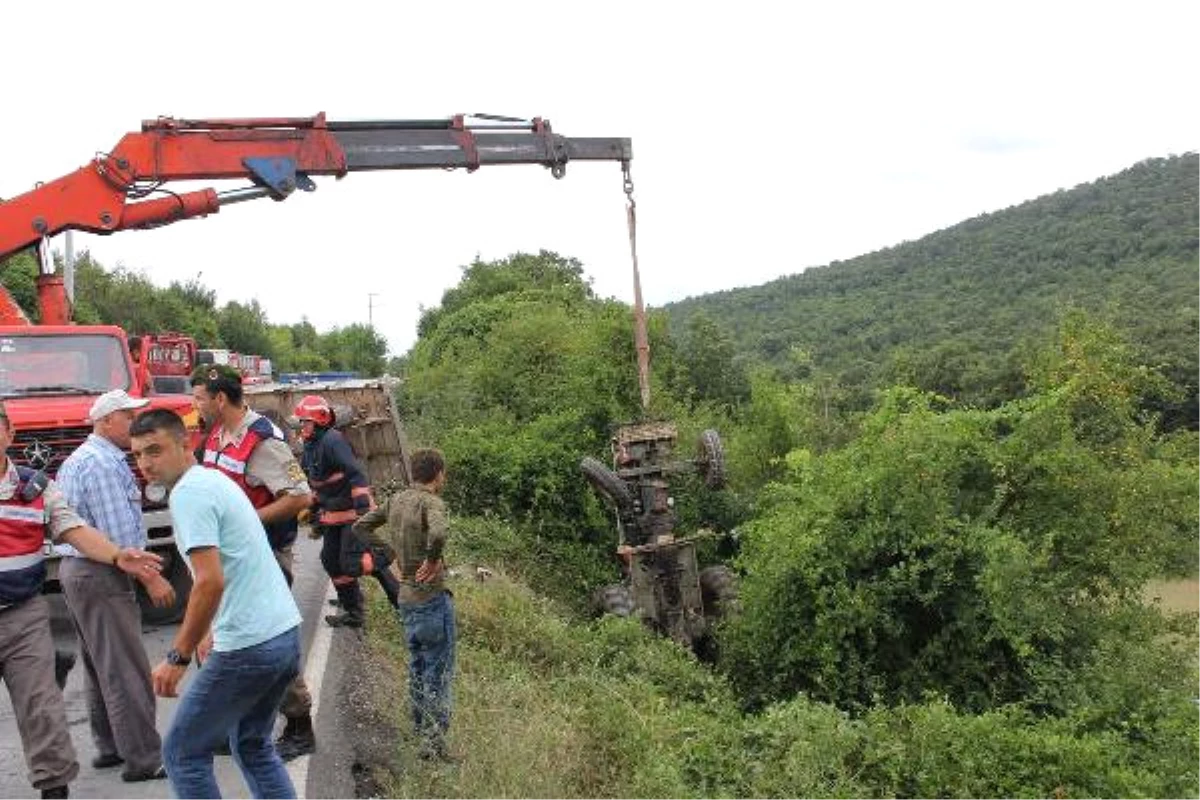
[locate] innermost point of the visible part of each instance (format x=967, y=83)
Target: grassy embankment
x=547, y=705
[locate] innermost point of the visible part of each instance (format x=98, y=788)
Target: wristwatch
x=177, y=659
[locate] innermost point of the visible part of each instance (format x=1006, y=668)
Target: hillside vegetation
x=951, y=312
x=938, y=600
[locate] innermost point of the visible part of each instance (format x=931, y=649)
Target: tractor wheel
x=615, y=600
x=609, y=484
x=177, y=574
x=712, y=459
x=718, y=591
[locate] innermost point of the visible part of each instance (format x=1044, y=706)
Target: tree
x=244, y=328
x=708, y=363
x=986, y=555
x=358, y=348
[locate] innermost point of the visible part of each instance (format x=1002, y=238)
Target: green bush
x=984, y=555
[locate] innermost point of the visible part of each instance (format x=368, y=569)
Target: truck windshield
x=61, y=364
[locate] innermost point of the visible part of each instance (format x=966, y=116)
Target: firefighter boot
x=297, y=738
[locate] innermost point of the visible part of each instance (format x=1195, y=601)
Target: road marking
x=314, y=674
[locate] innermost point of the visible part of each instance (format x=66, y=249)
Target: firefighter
x=32, y=510
x=253, y=452
x=343, y=494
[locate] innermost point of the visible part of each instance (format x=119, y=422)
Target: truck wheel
x=712, y=459
x=718, y=591
x=609, y=484
x=177, y=574
x=615, y=600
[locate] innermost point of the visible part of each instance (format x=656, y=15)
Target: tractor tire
x=176, y=572
x=615, y=600
x=712, y=459
x=609, y=484
x=718, y=592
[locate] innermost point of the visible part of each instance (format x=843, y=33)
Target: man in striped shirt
x=100, y=486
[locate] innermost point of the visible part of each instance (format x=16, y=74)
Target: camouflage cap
x=215, y=372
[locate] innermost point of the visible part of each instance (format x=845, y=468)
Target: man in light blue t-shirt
x=241, y=621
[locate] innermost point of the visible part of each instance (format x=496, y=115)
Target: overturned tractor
x=663, y=584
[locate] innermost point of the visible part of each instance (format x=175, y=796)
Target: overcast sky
x=768, y=137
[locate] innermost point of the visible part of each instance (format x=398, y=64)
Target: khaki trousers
x=27, y=668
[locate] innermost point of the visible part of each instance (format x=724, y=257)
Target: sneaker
x=344, y=620
x=57, y=791
x=156, y=774
x=106, y=760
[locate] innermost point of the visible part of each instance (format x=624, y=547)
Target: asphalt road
x=311, y=590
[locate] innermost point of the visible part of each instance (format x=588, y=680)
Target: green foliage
x=356, y=347
x=19, y=277
x=545, y=706
x=951, y=312
x=707, y=364
x=988, y=556
x=482, y=280
x=244, y=328
x=518, y=375
x=129, y=300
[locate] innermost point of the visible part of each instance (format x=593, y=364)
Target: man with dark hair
x=343, y=494
x=100, y=486
x=241, y=620
x=254, y=453
x=416, y=531
x=32, y=510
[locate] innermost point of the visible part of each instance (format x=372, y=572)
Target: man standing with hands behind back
x=417, y=531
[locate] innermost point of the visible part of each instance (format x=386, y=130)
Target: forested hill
x=948, y=312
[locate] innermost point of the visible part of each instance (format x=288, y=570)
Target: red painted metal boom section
x=278, y=155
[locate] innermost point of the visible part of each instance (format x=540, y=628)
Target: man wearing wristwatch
x=32, y=510
x=240, y=619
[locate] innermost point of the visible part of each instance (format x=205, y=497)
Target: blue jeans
x=429, y=632
x=235, y=695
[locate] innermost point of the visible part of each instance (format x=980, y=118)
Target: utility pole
x=371, y=308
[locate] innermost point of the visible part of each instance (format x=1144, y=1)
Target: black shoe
x=298, y=739
x=106, y=760
x=64, y=662
x=156, y=774
x=57, y=791
x=223, y=749
x=344, y=620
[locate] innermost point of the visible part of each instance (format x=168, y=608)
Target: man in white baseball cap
x=116, y=400
x=102, y=489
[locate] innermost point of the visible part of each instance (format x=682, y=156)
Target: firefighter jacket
x=342, y=488
x=232, y=460
x=23, y=539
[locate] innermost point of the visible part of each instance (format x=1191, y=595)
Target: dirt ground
x=1177, y=595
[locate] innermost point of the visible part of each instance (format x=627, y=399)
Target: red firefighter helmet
x=315, y=408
